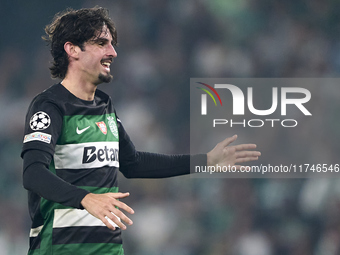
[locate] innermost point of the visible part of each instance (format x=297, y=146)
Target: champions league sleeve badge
x=40, y=121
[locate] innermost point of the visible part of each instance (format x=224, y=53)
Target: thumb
x=120, y=194
x=229, y=140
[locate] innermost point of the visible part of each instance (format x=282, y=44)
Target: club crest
x=113, y=126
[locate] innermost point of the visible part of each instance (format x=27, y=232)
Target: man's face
x=97, y=57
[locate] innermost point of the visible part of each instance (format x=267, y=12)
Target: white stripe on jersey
x=86, y=155
x=76, y=218
x=35, y=231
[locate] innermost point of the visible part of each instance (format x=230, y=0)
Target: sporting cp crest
x=113, y=126
x=102, y=127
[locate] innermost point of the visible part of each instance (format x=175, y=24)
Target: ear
x=71, y=50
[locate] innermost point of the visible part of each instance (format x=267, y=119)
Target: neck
x=80, y=88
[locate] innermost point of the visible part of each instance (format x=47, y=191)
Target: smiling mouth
x=106, y=63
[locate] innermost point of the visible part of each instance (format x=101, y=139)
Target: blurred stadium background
x=162, y=43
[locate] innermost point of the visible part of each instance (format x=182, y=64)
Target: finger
x=116, y=216
x=122, y=216
x=244, y=154
x=123, y=206
x=119, y=194
x=242, y=147
x=228, y=140
x=247, y=159
x=107, y=223
x=113, y=219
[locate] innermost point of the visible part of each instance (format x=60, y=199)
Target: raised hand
x=224, y=155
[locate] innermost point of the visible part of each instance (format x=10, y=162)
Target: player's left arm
x=137, y=164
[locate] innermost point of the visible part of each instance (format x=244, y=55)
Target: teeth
x=106, y=64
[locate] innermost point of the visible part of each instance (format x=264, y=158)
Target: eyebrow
x=101, y=39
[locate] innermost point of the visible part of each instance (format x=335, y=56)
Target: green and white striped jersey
x=83, y=138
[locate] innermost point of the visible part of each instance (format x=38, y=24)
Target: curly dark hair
x=77, y=27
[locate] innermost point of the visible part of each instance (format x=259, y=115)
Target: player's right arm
x=43, y=126
x=40, y=180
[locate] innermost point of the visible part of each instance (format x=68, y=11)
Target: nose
x=111, y=51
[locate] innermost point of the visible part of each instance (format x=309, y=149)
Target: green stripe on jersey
x=89, y=249
x=83, y=249
x=47, y=209
x=88, y=128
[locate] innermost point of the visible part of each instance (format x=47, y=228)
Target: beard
x=105, y=78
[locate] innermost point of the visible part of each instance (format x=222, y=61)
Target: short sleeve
x=43, y=126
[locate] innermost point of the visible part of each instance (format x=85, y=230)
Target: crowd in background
x=162, y=44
